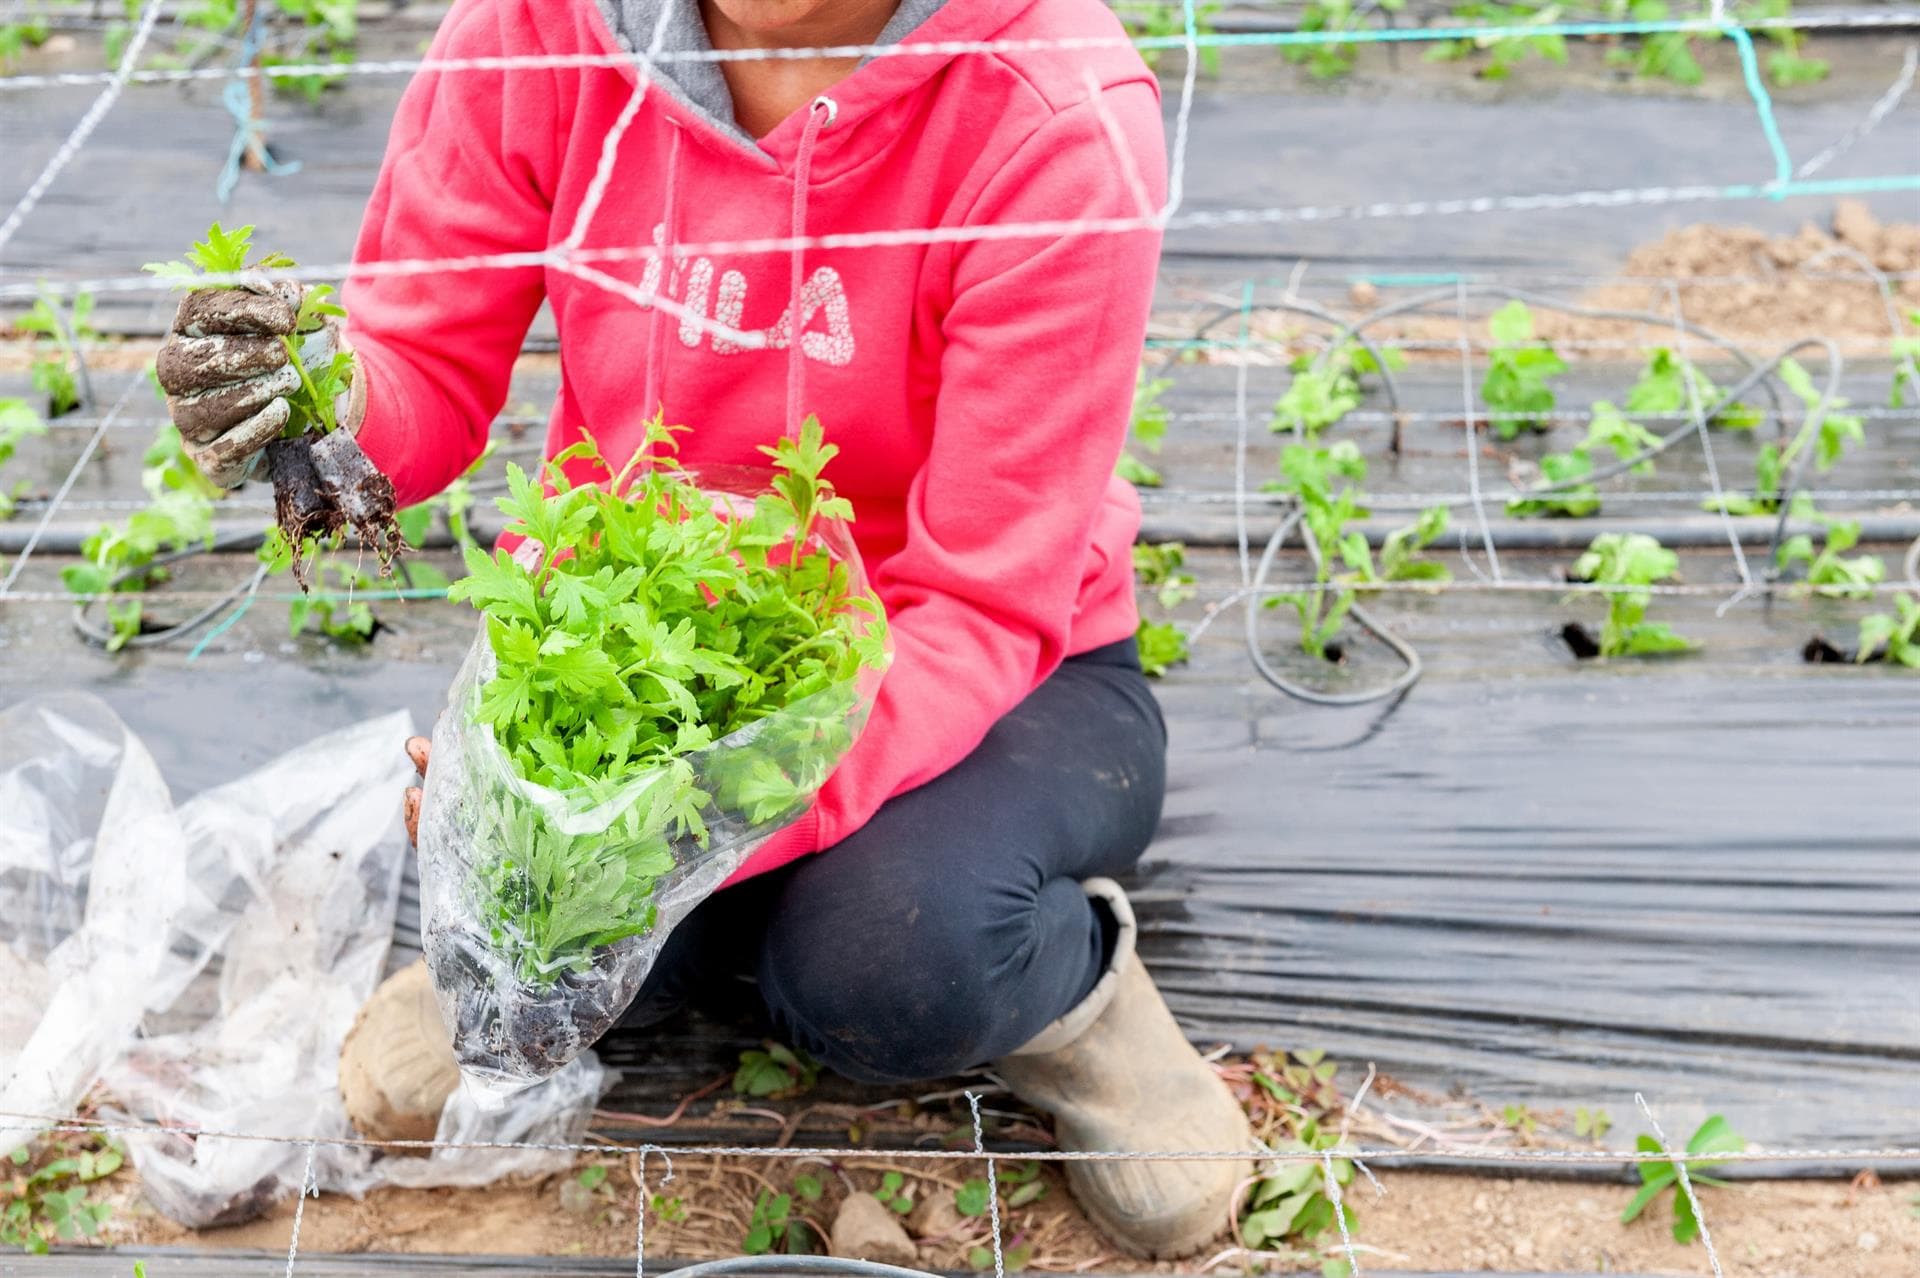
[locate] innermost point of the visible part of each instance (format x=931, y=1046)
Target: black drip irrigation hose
x=1257, y=604
x=94, y=633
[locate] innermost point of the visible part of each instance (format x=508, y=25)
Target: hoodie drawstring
x=656, y=390
x=820, y=114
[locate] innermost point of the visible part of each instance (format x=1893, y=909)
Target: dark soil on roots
x=364, y=496
x=301, y=506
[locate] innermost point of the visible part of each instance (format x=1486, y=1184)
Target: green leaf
x=971, y=1198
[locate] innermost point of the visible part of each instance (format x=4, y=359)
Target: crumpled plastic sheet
x=518, y=1006
x=201, y=964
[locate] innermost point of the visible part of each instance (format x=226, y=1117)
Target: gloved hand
x=227, y=373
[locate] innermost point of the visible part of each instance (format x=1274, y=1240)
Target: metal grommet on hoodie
x=833, y=109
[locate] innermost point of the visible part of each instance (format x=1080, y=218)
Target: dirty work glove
x=227, y=374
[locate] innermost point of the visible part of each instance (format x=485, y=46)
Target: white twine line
x=920, y=236
x=66, y=485
x=1879, y=111
x=993, y=1186
x=1473, y=447
x=307, y=1186
x=1339, y=1211
x=905, y=49
x=1697, y=411
x=1686, y=1183
x=88, y=123
x=1461, y=1153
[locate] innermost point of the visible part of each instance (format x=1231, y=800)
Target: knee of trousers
x=886, y=1004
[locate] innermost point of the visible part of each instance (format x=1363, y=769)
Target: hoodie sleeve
x=467, y=174
x=1043, y=342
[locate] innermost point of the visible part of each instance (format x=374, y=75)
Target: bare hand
x=418, y=748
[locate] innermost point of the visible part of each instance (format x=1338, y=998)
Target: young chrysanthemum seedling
x=1629, y=561
x=323, y=483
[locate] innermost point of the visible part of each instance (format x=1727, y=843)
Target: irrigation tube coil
x=1257, y=602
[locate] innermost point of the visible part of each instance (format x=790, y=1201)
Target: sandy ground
x=1422, y=1221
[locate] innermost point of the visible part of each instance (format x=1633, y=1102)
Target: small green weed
x=1593, y=1124
x=775, y=1073
x=1162, y=646
x=1013, y=1259
x=1290, y=1202
x=1515, y=389
x=1020, y=1184
x=1520, y=1119
x=775, y=1227
x=1893, y=637
x=1630, y=560
x=1787, y=65
x=1659, y=1176
x=668, y=1209
x=1148, y=429
x=48, y=1195
x=894, y=1194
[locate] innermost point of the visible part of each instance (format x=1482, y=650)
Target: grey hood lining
x=698, y=85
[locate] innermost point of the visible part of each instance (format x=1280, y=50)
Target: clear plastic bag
x=507, y=865
x=204, y=962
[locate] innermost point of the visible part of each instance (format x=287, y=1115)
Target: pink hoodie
x=979, y=388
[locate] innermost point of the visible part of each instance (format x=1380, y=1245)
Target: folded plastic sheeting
x=250, y=923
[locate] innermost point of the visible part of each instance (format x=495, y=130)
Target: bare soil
x=1422, y=1221
x=1853, y=281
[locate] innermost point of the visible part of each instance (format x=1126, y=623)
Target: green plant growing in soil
x=1592, y=1124
x=312, y=32
x=1826, y=430
x=322, y=481
x=1020, y=1185
x=1662, y=390
x=1331, y=60
x=775, y=1071
x=1149, y=430
x=54, y=356
x=178, y=515
x=1315, y=475
x=894, y=1195
x=1160, y=567
x=668, y=1208
x=1607, y=429
x=1163, y=19
x=1630, y=561
x=1660, y=1176
x=1326, y=389
x=1893, y=637
x=1905, y=352
x=16, y=37
x=774, y=1227
x=1504, y=52
x=1787, y=66
x=48, y=1196
x=1659, y=55
x=1290, y=1202
x=1515, y=389
x=1829, y=570
x=18, y=422
x=1521, y=1119
x=649, y=622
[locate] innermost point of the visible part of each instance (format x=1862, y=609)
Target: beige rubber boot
x=396, y=1063
x=1117, y=1074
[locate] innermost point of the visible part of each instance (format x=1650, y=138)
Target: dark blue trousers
x=951, y=928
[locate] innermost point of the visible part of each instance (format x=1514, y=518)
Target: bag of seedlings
x=667, y=670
